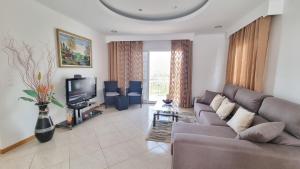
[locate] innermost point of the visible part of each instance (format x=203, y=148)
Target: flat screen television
x=80, y=89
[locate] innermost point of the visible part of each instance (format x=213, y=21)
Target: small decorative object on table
x=168, y=100
x=40, y=89
x=70, y=119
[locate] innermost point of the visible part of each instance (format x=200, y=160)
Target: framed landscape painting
x=73, y=50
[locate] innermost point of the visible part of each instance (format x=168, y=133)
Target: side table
x=122, y=103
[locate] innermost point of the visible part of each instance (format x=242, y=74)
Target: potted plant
x=40, y=89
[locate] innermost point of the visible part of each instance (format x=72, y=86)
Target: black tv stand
x=80, y=116
x=79, y=105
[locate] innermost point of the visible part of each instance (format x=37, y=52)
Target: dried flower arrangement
x=40, y=88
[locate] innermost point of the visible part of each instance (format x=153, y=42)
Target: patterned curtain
x=125, y=62
x=247, y=55
x=180, y=89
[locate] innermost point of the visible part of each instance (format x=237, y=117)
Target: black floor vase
x=44, y=128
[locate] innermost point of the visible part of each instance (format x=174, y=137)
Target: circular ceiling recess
x=154, y=10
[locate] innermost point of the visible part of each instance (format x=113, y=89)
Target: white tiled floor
x=114, y=140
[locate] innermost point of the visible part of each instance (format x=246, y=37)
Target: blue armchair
x=135, y=92
x=110, y=92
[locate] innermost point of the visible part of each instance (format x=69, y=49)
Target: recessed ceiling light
x=140, y=9
x=114, y=31
x=218, y=26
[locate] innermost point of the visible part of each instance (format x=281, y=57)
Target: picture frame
x=74, y=51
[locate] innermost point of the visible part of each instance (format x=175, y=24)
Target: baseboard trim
x=11, y=147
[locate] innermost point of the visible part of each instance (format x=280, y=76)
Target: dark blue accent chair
x=110, y=92
x=135, y=92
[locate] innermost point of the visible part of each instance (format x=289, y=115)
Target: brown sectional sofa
x=211, y=144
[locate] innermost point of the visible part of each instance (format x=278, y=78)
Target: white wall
x=283, y=71
x=267, y=7
x=35, y=24
x=157, y=45
x=209, y=63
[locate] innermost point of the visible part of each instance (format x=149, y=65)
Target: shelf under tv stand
x=79, y=116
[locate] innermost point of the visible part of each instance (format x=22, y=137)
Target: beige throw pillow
x=225, y=109
x=241, y=120
x=216, y=102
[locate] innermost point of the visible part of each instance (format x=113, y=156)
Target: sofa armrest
x=198, y=99
x=192, y=151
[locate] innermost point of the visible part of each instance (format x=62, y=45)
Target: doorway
x=157, y=79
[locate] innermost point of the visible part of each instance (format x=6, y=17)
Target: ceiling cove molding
x=156, y=17
x=269, y=7
x=176, y=36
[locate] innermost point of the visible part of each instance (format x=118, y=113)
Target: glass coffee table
x=165, y=110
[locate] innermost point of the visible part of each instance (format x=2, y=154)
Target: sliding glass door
x=156, y=75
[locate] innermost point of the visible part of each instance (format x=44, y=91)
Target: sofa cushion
x=225, y=109
x=198, y=107
x=249, y=99
x=283, y=139
x=258, y=120
x=230, y=90
x=210, y=118
x=235, y=109
x=216, y=102
x=241, y=120
x=109, y=94
x=286, y=139
x=274, y=109
x=262, y=133
x=207, y=97
x=192, y=128
x=134, y=94
x=193, y=151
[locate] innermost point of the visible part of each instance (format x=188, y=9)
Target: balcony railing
x=158, y=88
